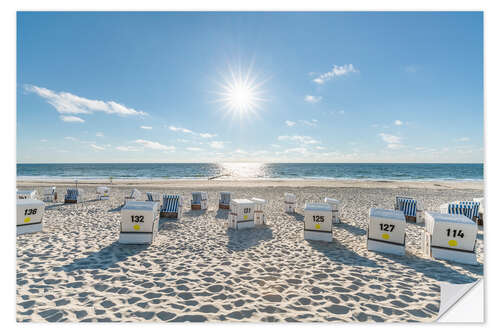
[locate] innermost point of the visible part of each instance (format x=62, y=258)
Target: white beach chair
x=73, y=195
x=386, y=231
x=29, y=216
x=318, y=222
x=225, y=200
x=259, y=216
x=450, y=237
x=335, y=204
x=290, y=203
x=133, y=196
x=410, y=208
x=139, y=222
x=171, y=206
x=242, y=214
x=481, y=201
x=50, y=194
x=199, y=201
x=102, y=193
x=26, y=194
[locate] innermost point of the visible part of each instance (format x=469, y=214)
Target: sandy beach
x=198, y=270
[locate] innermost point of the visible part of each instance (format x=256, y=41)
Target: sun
x=241, y=94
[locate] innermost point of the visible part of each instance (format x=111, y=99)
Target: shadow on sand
x=299, y=217
x=337, y=252
x=195, y=213
x=116, y=209
x=105, y=257
x=240, y=240
x=356, y=231
x=168, y=224
x=55, y=205
x=222, y=214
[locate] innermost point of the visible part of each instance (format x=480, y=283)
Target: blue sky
x=267, y=87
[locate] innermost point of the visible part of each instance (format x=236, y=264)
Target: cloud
x=99, y=134
x=128, y=148
x=290, y=123
x=194, y=149
x=216, y=144
x=312, y=123
x=188, y=131
x=71, y=119
x=464, y=139
x=312, y=99
x=147, y=127
x=341, y=112
x=320, y=148
x=411, y=69
x=70, y=138
x=67, y=103
x=398, y=123
x=393, y=141
x=307, y=140
x=96, y=147
x=336, y=71
x=44, y=140
x=154, y=145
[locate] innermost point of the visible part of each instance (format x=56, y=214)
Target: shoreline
x=270, y=182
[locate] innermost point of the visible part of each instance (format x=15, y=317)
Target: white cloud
x=393, y=141
x=70, y=138
x=71, y=119
x=312, y=123
x=128, y=148
x=320, y=148
x=336, y=71
x=411, y=69
x=147, y=127
x=207, y=135
x=275, y=146
x=312, y=99
x=154, y=145
x=99, y=134
x=464, y=139
x=194, y=149
x=96, y=147
x=307, y=140
x=299, y=150
x=217, y=144
x=44, y=140
x=179, y=129
x=398, y=123
x=341, y=112
x=290, y=123
x=67, y=103
x=185, y=130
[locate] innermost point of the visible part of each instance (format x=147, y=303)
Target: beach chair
x=26, y=194
x=133, y=196
x=242, y=214
x=480, y=210
x=171, y=206
x=73, y=195
x=153, y=196
x=50, y=194
x=290, y=203
x=450, y=237
x=102, y=193
x=29, y=216
x=225, y=200
x=386, y=231
x=199, y=200
x=335, y=204
x=410, y=208
x=318, y=222
x=466, y=208
x=139, y=222
x=259, y=216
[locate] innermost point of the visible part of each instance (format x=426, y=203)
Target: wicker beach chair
x=73, y=195
x=199, y=200
x=171, y=206
x=409, y=207
x=225, y=200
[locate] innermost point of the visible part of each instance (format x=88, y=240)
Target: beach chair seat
x=318, y=222
x=225, y=200
x=171, y=206
x=26, y=194
x=450, y=237
x=386, y=231
x=29, y=216
x=199, y=200
x=242, y=214
x=480, y=219
x=73, y=195
x=50, y=194
x=335, y=204
x=139, y=222
x=102, y=193
x=410, y=208
x=133, y=196
x=290, y=203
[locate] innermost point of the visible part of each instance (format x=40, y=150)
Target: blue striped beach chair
x=73, y=195
x=225, y=200
x=480, y=210
x=466, y=208
x=153, y=196
x=408, y=206
x=171, y=206
x=199, y=200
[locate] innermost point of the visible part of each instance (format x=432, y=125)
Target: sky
x=263, y=87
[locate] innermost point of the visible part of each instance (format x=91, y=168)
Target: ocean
x=375, y=171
